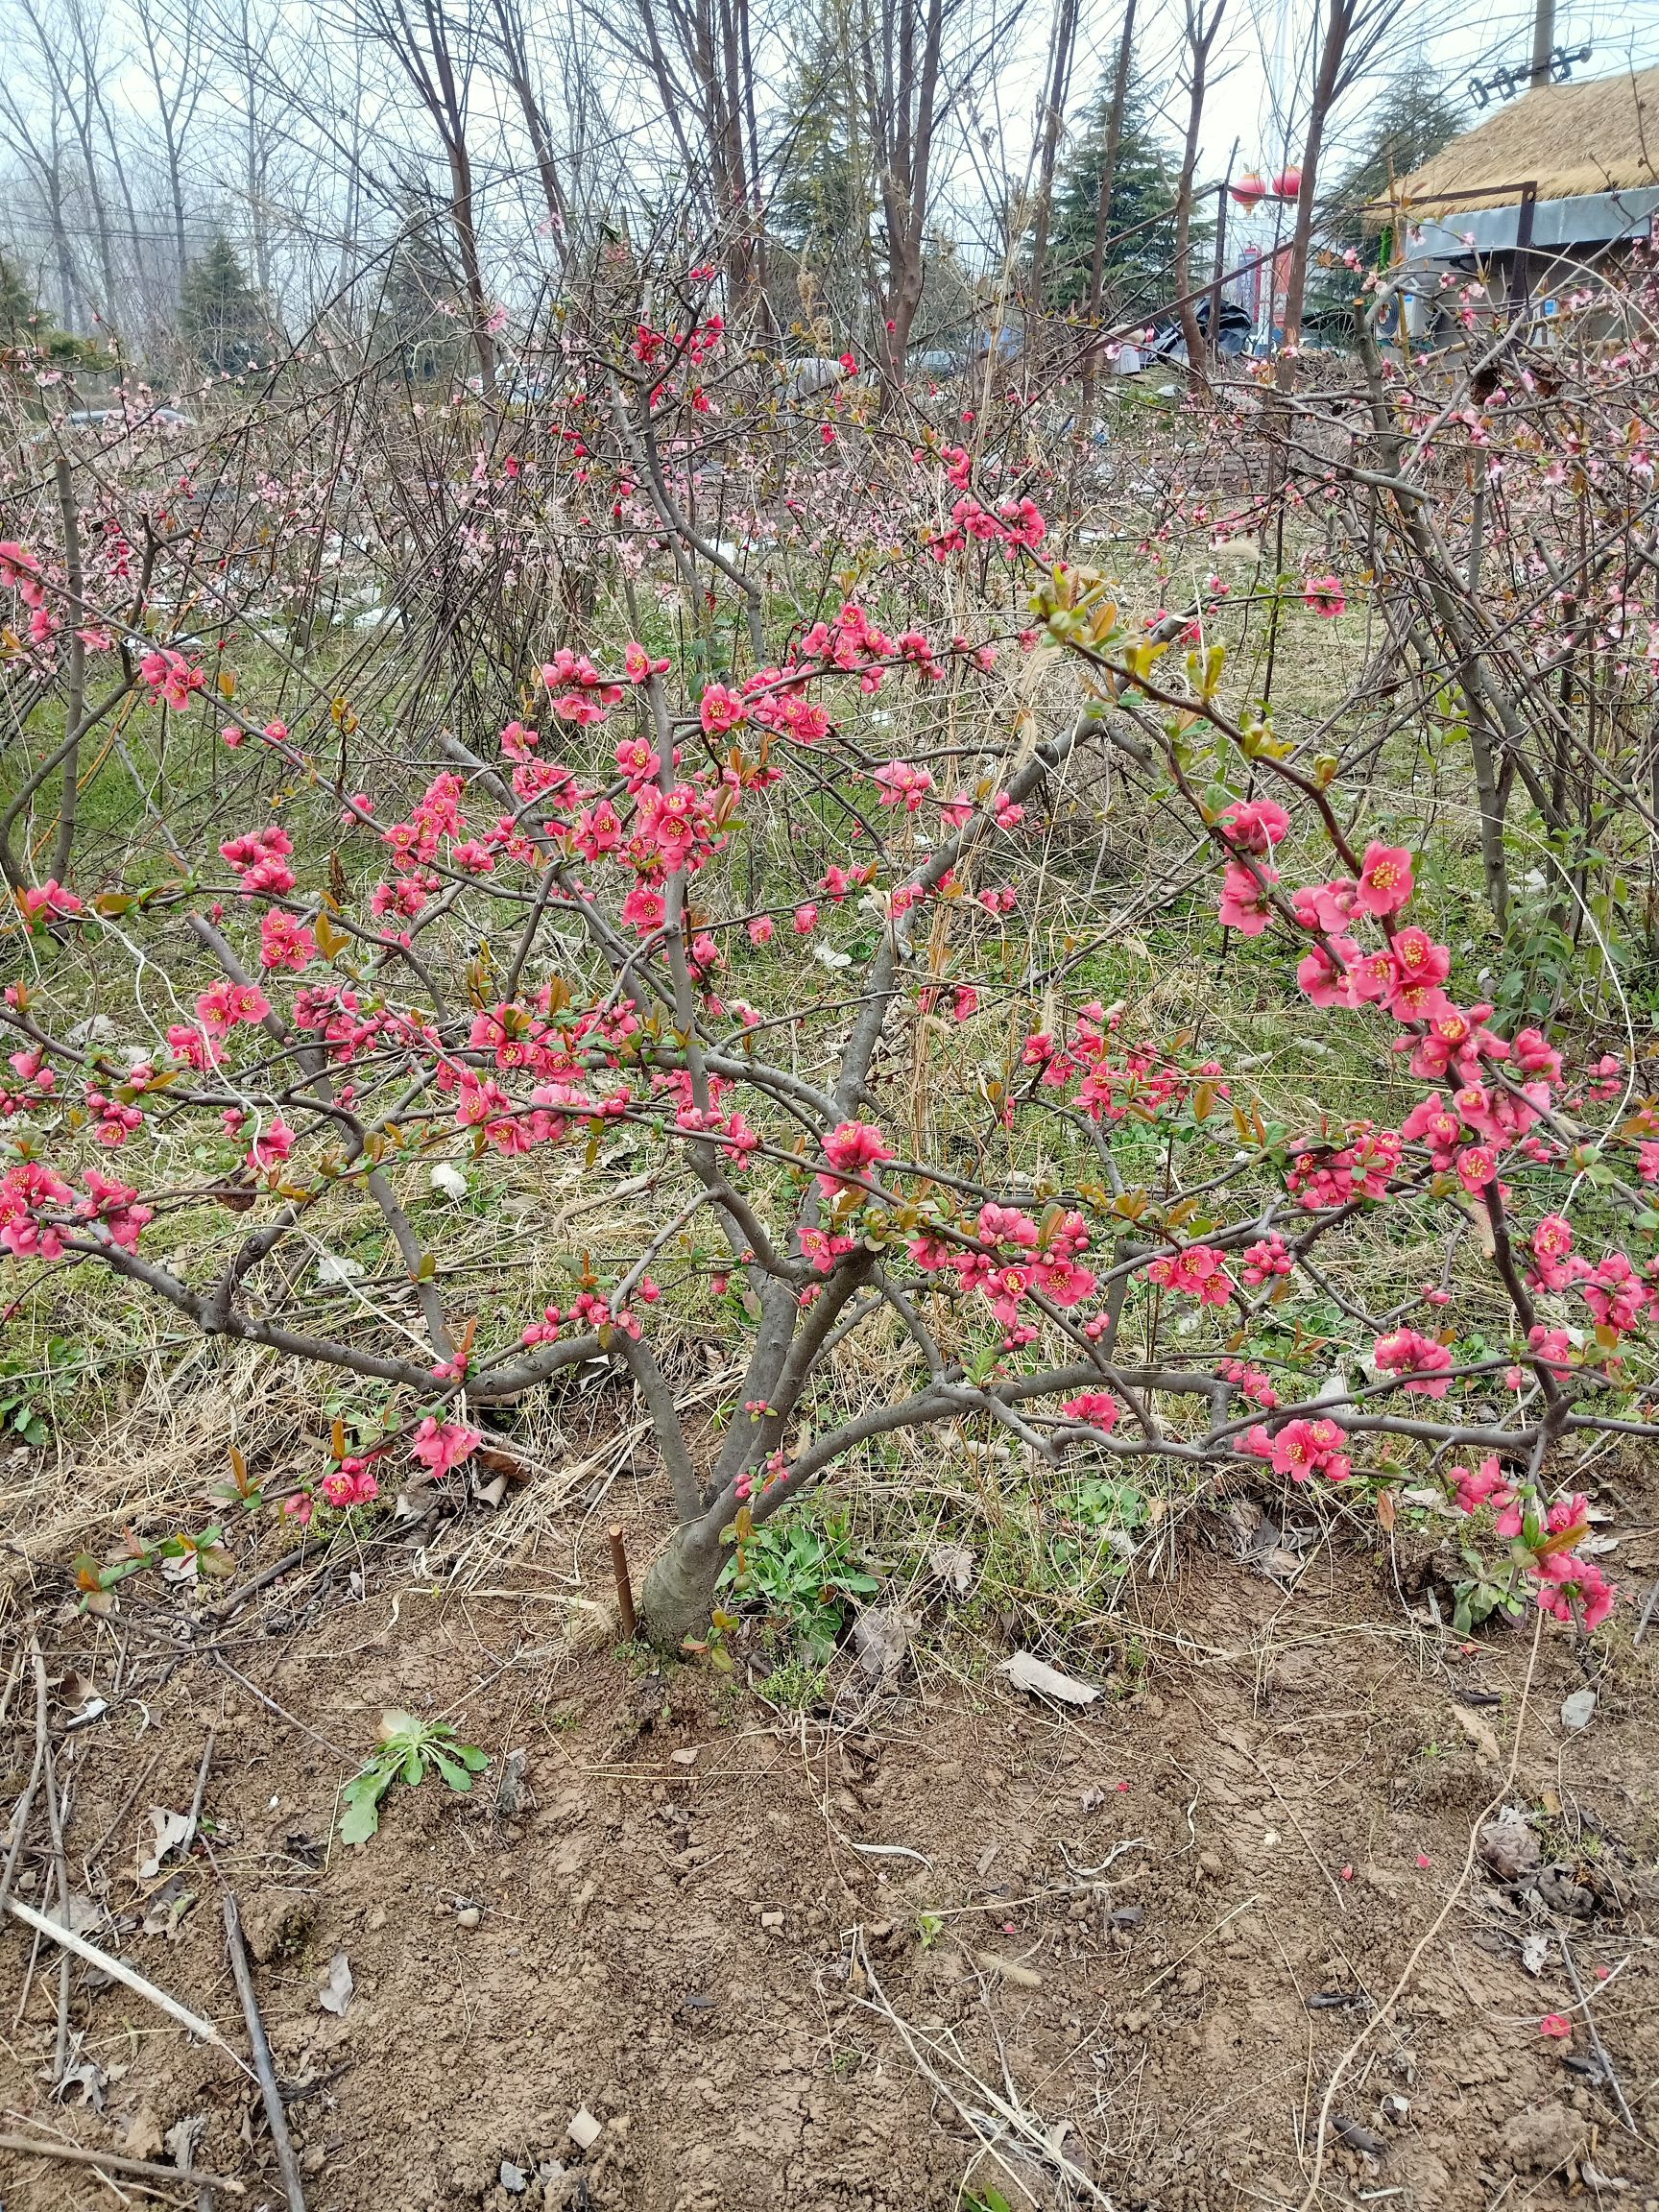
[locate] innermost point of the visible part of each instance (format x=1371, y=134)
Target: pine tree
x=819, y=202
x=417, y=314
x=1414, y=119
x=26, y=331
x=1137, y=269
x=219, y=316
x=18, y=314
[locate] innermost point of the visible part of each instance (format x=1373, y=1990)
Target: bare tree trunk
x=427, y=59
x=1054, y=119
x=174, y=106
x=903, y=66
x=1103, y=211
x=1200, y=34
x=516, y=65
x=1354, y=30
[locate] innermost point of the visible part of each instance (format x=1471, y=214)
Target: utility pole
x=1543, y=42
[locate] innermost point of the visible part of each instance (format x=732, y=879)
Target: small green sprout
x=412, y=1748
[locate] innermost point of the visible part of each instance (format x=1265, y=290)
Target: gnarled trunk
x=677, y=1593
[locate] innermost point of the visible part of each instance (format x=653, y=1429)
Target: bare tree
x=513, y=49
x=1052, y=123
x=700, y=58
x=421, y=40
x=907, y=95
x=172, y=48
x=1354, y=30
x=1201, y=28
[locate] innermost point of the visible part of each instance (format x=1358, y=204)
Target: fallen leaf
x=1507, y=1844
x=182, y=2138
x=1042, y=1680
x=1535, y=1951
x=953, y=1567
x=140, y=2136
x=81, y=2073
x=335, y=1994
x=164, y=1914
x=170, y=1830
x=1479, y=1733
x=880, y=1637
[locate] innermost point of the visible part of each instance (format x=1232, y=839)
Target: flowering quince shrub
x=724, y=926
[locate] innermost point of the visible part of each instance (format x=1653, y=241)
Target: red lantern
x=1249, y=189
x=1289, y=184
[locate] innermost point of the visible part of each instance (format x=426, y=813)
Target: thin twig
x=117, y=1970
x=275, y=2118
x=188, y=1837
x=110, y=2162
x=1008, y=2111
x=1653, y=1599
x=60, y=1867
x=1596, y=2043
x=281, y=1711
x=26, y=1804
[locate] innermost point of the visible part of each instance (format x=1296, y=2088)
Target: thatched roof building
x=1570, y=142
x=1564, y=176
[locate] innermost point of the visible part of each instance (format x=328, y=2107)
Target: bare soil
x=938, y=1935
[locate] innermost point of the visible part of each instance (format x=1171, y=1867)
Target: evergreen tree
x=1137, y=269
x=19, y=316
x=1414, y=119
x=819, y=205
x=417, y=315
x=27, y=331
x=219, y=316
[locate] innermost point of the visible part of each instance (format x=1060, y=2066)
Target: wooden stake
x=624, y=1588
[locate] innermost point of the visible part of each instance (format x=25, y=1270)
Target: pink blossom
x=283, y=942
x=852, y=1147
x=443, y=1445
x=1198, y=1272
x=1302, y=1448
x=1385, y=880
x=271, y=1147
x=1245, y=900
x=1255, y=825
x=1418, y=1357
x=1096, y=1408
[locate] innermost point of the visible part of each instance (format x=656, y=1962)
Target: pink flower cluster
x=1198, y=1272
x=1304, y=1448
x=852, y=1148
x=1419, y=1360
x=353, y=1482
x=1545, y=1542
x=442, y=1446
x=38, y=1208
x=171, y=677
x=260, y=858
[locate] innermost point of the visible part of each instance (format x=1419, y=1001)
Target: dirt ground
x=936, y=1943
